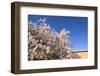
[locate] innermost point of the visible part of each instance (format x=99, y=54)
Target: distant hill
x=82, y=53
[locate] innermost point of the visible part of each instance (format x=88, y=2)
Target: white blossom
x=44, y=43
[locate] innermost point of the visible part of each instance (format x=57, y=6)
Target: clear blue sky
x=78, y=27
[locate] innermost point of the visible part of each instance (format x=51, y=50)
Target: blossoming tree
x=44, y=43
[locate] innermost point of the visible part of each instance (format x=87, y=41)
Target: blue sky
x=78, y=27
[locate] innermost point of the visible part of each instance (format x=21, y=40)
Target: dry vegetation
x=46, y=44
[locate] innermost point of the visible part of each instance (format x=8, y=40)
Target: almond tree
x=44, y=43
